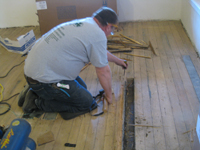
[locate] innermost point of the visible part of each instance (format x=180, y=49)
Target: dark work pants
x=55, y=99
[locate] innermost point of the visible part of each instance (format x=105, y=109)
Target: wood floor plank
x=176, y=91
x=165, y=105
x=159, y=137
x=145, y=101
x=150, y=143
x=10, y=90
x=55, y=130
x=73, y=135
x=139, y=113
x=84, y=128
x=186, y=44
x=9, y=32
x=182, y=69
x=128, y=31
x=192, y=98
x=64, y=132
x=186, y=41
x=118, y=89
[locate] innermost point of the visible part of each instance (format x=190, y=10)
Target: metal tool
x=124, y=67
x=100, y=97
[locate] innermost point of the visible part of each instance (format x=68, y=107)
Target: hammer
x=105, y=103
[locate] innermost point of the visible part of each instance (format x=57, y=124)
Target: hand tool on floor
x=100, y=97
x=105, y=102
x=125, y=67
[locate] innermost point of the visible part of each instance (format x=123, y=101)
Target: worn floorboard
x=164, y=96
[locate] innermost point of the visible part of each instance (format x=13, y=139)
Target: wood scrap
x=116, y=47
x=138, y=55
x=86, y=66
x=45, y=138
x=117, y=51
x=122, y=43
x=139, y=47
x=152, y=49
x=112, y=36
x=189, y=130
x=119, y=42
x=126, y=59
x=141, y=125
x=131, y=39
x=144, y=42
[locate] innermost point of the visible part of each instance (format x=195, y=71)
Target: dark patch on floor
x=129, y=131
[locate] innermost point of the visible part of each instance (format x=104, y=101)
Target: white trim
x=196, y=5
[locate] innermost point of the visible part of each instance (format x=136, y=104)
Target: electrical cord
x=11, y=69
x=9, y=107
x=10, y=97
x=2, y=102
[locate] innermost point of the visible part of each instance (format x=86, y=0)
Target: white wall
x=16, y=13
x=191, y=21
x=131, y=10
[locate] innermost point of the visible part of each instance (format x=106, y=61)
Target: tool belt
x=30, y=80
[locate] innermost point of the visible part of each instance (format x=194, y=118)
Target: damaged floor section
x=129, y=129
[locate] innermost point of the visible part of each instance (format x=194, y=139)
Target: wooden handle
x=138, y=55
x=131, y=39
x=86, y=66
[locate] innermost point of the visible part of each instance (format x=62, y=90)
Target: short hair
x=105, y=15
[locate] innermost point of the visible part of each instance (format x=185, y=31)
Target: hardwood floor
x=165, y=98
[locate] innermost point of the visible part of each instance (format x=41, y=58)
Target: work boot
x=22, y=95
x=29, y=104
x=68, y=115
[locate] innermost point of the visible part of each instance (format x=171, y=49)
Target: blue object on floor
x=16, y=137
x=193, y=74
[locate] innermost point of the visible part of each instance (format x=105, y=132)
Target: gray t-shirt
x=61, y=53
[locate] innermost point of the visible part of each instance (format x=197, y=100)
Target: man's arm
x=105, y=78
x=116, y=60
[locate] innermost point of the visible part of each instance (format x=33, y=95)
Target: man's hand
x=117, y=61
x=108, y=98
x=122, y=63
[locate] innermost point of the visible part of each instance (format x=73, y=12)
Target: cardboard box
x=54, y=12
x=196, y=145
x=22, y=45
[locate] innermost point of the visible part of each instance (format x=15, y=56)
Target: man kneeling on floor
x=53, y=65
